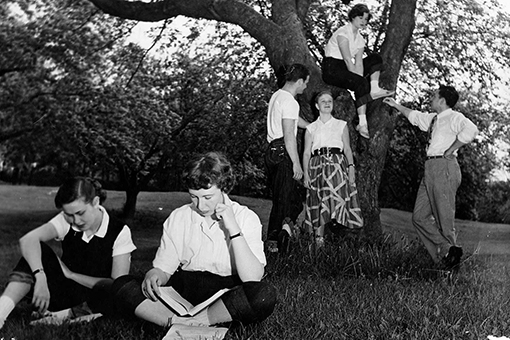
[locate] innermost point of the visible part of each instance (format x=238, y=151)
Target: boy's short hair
x=205, y=170
x=295, y=72
x=291, y=73
x=450, y=95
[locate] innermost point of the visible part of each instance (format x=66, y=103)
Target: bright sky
x=506, y=5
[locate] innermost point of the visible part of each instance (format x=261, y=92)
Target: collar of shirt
x=350, y=30
x=444, y=113
x=103, y=228
x=324, y=123
x=356, y=38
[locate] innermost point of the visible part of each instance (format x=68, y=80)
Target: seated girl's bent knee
x=251, y=302
x=128, y=294
x=21, y=277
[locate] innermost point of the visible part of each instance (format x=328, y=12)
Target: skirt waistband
x=327, y=151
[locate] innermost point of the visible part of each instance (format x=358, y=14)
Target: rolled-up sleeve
x=420, y=119
x=252, y=231
x=465, y=128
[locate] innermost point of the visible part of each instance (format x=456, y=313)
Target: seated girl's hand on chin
x=226, y=213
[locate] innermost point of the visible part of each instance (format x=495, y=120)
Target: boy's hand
x=390, y=101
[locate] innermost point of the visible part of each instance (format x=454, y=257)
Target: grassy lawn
x=352, y=290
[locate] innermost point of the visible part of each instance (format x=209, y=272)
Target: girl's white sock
x=6, y=307
x=374, y=86
x=362, y=119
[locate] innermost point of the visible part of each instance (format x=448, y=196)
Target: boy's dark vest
x=93, y=258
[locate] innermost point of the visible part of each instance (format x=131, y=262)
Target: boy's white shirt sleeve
x=290, y=108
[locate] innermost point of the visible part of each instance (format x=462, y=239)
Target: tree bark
x=372, y=153
x=129, y=209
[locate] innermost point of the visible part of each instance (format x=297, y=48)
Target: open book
x=174, y=301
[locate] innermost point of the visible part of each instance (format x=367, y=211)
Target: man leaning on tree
x=448, y=130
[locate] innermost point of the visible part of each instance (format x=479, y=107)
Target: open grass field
x=352, y=290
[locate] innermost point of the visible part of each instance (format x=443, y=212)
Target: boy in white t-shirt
x=282, y=160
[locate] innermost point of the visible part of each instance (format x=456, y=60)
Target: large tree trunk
x=372, y=153
x=129, y=181
x=129, y=209
x=283, y=36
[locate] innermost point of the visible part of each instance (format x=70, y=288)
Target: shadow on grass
x=387, y=259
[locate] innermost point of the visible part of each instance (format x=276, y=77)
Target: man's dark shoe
x=452, y=259
x=284, y=242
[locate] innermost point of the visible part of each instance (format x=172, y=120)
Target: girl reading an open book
x=207, y=245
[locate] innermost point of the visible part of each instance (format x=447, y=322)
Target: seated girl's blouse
x=356, y=42
x=123, y=244
x=327, y=134
x=190, y=243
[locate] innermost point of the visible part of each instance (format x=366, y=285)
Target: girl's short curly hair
x=205, y=170
x=358, y=10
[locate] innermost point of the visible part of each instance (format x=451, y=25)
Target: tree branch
x=154, y=42
x=230, y=11
x=14, y=69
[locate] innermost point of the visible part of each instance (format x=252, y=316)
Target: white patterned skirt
x=331, y=196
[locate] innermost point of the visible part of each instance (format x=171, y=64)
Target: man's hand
x=449, y=155
x=390, y=101
x=298, y=171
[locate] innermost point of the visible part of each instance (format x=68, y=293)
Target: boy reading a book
x=207, y=245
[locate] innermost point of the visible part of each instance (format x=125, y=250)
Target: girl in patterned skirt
x=329, y=173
